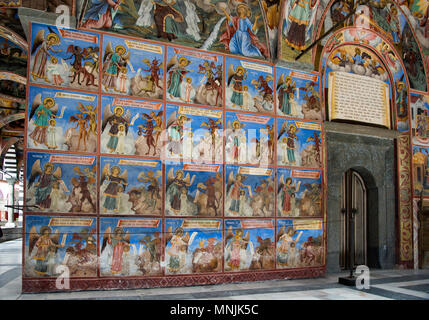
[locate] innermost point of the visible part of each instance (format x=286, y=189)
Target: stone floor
x=384, y=285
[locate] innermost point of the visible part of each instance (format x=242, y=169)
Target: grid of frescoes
x=159, y=160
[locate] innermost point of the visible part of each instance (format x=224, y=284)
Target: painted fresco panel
x=249, y=191
x=299, y=193
x=193, y=246
x=55, y=243
x=299, y=243
x=249, y=86
x=298, y=143
x=194, y=134
x=64, y=57
x=130, y=186
x=130, y=247
x=133, y=68
x=249, y=245
x=61, y=183
x=131, y=127
x=60, y=120
x=193, y=189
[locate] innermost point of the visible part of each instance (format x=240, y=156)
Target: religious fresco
x=249, y=86
x=133, y=68
x=298, y=94
x=64, y=57
x=12, y=88
x=130, y=247
x=193, y=189
x=13, y=57
x=249, y=191
x=272, y=12
x=249, y=139
x=59, y=120
x=249, y=245
x=131, y=127
x=235, y=27
x=194, y=77
x=421, y=170
x=299, y=193
x=193, y=246
x=419, y=104
x=386, y=19
x=299, y=143
x=299, y=243
x=194, y=134
x=298, y=28
x=130, y=186
x=61, y=183
x=55, y=243
x=10, y=3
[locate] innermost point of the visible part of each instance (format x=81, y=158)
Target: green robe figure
x=176, y=77
x=299, y=18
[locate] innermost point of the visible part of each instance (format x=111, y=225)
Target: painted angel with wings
x=179, y=243
x=177, y=189
x=113, y=62
x=286, y=87
x=235, y=245
x=44, y=111
x=235, y=192
x=236, y=78
x=117, y=185
x=46, y=245
x=176, y=69
x=287, y=240
x=115, y=119
x=44, y=185
x=288, y=143
x=42, y=47
x=119, y=242
x=176, y=129
x=236, y=141
x=287, y=190
x=299, y=22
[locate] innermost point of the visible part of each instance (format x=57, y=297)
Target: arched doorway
x=354, y=206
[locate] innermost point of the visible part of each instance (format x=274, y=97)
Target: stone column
x=11, y=202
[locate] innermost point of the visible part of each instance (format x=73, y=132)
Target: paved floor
x=384, y=285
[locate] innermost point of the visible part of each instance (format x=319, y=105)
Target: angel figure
x=285, y=88
x=235, y=193
x=43, y=47
x=82, y=183
x=115, y=119
x=119, y=241
x=81, y=123
x=43, y=112
x=237, y=77
x=179, y=243
x=175, y=128
x=213, y=126
x=237, y=141
x=286, y=241
x=44, y=185
x=113, y=62
x=175, y=184
x=176, y=71
x=235, y=243
x=45, y=243
x=115, y=182
x=290, y=144
x=288, y=191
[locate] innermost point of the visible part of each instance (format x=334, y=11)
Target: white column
x=11, y=202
